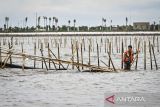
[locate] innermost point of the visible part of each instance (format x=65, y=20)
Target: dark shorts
x=127, y=65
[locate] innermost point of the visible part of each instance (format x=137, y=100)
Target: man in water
x=128, y=58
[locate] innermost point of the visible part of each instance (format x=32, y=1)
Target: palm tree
x=46, y=26
x=44, y=21
x=74, y=21
x=126, y=22
x=69, y=22
x=50, y=22
x=104, y=24
x=154, y=23
x=56, y=21
x=111, y=26
x=26, y=19
x=53, y=23
x=6, y=22
x=159, y=26
x=39, y=18
x=53, y=19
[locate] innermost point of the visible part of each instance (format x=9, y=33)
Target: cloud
x=87, y=12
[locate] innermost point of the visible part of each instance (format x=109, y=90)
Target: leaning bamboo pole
x=6, y=59
x=154, y=57
x=94, y=67
x=56, y=58
x=150, y=52
x=111, y=61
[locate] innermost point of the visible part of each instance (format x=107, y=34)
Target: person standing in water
x=128, y=58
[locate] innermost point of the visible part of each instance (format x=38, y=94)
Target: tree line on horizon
x=50, y=24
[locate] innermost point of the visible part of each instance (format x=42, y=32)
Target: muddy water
x=70, y=88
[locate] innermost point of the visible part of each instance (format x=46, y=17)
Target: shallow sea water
x=71, y=88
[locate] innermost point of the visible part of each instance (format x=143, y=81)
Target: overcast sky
x=86, y=12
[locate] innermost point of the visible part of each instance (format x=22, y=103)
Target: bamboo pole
x=89, y=51
x=84, y=44
x=125, y=40
x=119, y=43
x=54, y=65
x=57, y=59
x=99, y=48
x=49, y=56
x=23, y=57
x=122, y=51
x=109, y=61
x=59, y=55
x=98, y=55
x=82, y=55
x=12, y=41
x=93, y=45
x=154, y=57
x=105, y=46
x=6, y=60
x=94, y=67
x=154, y=41
x=43, y=59
x=0, y=56
x=34, y=54
x=72, y=55
x=42, y=52
x=142, y=46
x=112, y=45
x=157, y=44
x=130, y=40
x=116, y=44
x=137, y=55
x=144, y=55
x=10, y=47
x=136, y=43
x=104, y=63
x=77, y=48
x=150, y=54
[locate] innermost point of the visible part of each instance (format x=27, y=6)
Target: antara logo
x=110, y=99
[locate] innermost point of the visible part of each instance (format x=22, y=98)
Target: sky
x=86, y=12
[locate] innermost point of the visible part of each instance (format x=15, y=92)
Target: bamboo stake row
x=107, y=44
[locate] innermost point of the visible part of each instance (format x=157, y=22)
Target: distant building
x=141, y=26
